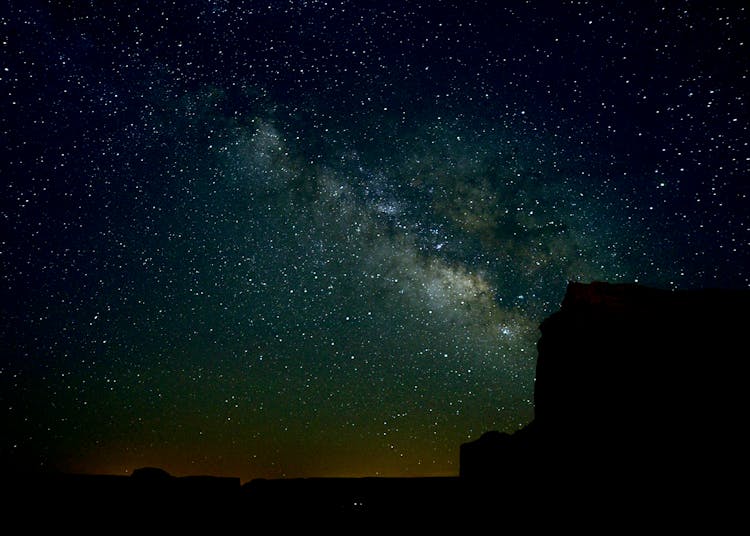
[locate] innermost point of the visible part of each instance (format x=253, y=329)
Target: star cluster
x=316, y=238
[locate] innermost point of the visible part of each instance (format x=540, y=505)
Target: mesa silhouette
x=638, y=396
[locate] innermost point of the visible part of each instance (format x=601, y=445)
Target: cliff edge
x=636, y=388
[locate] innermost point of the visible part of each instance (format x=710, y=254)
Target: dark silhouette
x=151, y=474
x=638, y=400
x=638, y=417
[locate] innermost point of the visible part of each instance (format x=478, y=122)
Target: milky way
x=317, y=238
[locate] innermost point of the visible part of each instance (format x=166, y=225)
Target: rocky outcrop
x=633, y=385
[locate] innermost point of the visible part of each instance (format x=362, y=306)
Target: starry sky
x=316, y=238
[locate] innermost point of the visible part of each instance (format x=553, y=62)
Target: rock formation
x=635, y=387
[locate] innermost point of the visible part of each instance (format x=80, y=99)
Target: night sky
x=316, y=238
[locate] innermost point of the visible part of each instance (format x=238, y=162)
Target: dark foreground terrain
x=222, y=505
x=216, y=505
x=639, y=423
